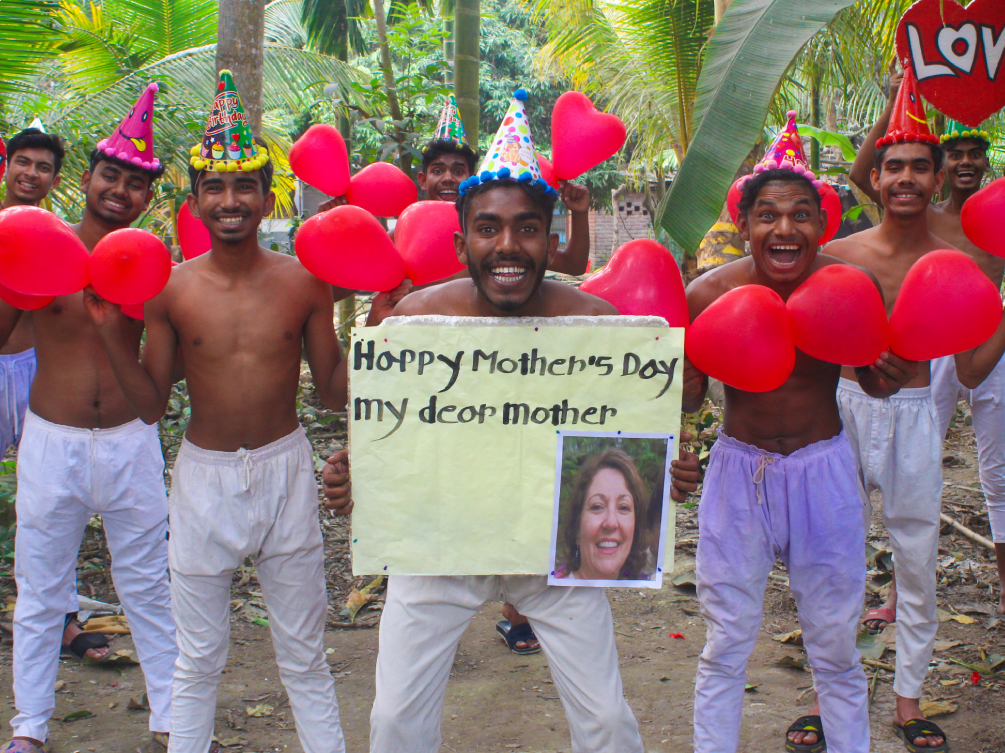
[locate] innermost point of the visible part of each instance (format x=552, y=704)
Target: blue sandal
x=514, y=634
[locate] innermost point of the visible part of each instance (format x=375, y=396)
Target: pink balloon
x=838, y=316
x=320, y=158
x=642, y=279
x=946, y=305
x=130, y=266
x=24, y=302
x=40, y=254
x=424, y=235
x=347, y=247
x=581, y=136
x=382, y=189
x=981, y=218
x=744, y=339
x=193, y=237
x=547, y=171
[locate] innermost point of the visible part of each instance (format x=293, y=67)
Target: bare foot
x=806, y=738
x=908, y=709
x=72, y=631
x=515, y=618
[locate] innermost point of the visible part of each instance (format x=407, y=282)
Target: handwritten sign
x=453, y=423
x=956, y=55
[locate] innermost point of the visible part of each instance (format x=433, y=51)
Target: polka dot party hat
x=512, y=153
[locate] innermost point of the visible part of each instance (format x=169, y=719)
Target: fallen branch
x=878, y=664
x=976, y=537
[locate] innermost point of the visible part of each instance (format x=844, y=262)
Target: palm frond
x=26, y=30
x=332, y=27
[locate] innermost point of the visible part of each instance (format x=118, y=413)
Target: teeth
x=607, y=545
x=785, y=248
x=230, y=220
x=509, y=272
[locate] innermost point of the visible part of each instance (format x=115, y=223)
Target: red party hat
x=908, y=122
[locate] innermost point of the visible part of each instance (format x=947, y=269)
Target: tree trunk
x=467, y=31
x=815, y=122
x=448, y=48
x=240, y=47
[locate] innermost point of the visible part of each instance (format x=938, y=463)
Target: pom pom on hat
x=520, y=94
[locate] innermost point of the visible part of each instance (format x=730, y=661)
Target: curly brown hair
x=620, y=461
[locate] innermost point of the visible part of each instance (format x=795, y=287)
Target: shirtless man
x=84, y=452
x=897, y=439
x=966, y=164
x=782, y=481
x=243, y=483
x=505, y=226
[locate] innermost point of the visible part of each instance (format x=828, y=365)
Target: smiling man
x=85, y=452
x=897, y=439
x=243, y=484
x=782, y=482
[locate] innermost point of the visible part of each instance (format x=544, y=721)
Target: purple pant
x=806, y=509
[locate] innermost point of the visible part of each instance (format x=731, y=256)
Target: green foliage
x=8, y=494
x=25, y=28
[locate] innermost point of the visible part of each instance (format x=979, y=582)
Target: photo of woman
x=609, y=509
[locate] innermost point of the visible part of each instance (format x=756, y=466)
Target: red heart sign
x=581, y=136
x=956, y=54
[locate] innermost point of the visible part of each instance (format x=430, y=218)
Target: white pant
x=263, y=504
x=424, y=617
x=900, y=454
x=65, y=475
x=16, y=372
x=807, y=509
x=987, y=406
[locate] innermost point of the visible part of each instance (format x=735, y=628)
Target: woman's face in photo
x=606, y=528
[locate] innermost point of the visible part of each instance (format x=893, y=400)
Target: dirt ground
x=501, y=702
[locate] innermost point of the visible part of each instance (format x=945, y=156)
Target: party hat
x=133, y=140
x=908, y=122
x=450, y=127
x=512, y=152
x=786, y=152
x=956, y=130
x=228, y=144
x=37, y=123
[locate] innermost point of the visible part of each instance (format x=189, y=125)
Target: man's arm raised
x=147, y=385
x=861, y=168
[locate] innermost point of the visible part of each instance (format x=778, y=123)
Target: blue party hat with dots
x=512, y=154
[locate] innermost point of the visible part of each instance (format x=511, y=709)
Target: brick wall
x=608, y=231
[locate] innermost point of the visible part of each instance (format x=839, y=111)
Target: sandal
x=514, y=634
x=21, y=746
x=916, y=728
x=806, y=724
x=881, y=614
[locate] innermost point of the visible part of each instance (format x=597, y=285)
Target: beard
x=507, y=305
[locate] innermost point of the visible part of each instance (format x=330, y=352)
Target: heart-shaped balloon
x=744, y=339
x=424, y=235
x=22, y=301
x=956, y=55
x=946, y=305
x=982, y=215
x=133, y=311
x=581, y=136
x=382, y=189
x=547, y=171
x=40, y=254
x=838, y=316
x=642, y=279
x=347, y=247
x=193, y=237
x=320, y=158
x=130, y=266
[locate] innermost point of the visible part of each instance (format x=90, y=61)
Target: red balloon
x=982, y=215
x=193, y=237
x=642, y=279
x=133, y=310
x=733, y=201
x=319, y=158
x=831, y=203
x=838, y=316
x=547, y=171
x=946, y=305
x=130, y=266
x=744, y=339
x=40, y=254
x=347, y=247
x=424, y=236
x=582, y=136
x=382, y=189
x=22, y=301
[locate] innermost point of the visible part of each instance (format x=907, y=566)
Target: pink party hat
x=133, y=140
x=786, y=152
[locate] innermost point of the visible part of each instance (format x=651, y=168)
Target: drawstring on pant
x=762, y=462
x=245, y=457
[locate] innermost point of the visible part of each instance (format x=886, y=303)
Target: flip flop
x=83, y=643
x=806, y=724
x=885, y=614
x=20, y=746
x=513, y=634
x=916, y=728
